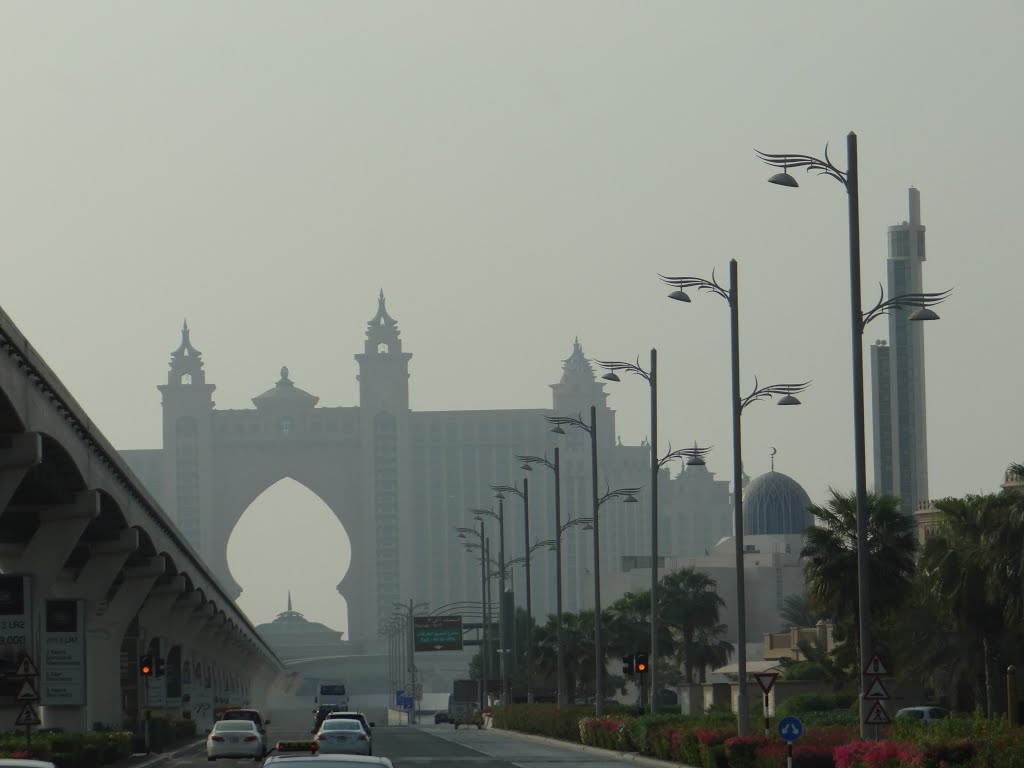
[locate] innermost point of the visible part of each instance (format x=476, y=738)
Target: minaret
x=187, y=402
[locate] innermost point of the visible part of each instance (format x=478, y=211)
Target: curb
x=611, y=753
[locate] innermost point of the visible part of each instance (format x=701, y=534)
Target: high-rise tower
x=897, y=375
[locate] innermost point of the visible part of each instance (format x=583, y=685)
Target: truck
x=331, y=693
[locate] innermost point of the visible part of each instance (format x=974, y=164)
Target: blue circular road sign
x=790, y=728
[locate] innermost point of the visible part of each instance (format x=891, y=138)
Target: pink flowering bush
x=607, y=732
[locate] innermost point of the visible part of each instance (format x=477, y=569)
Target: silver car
x=343, y=736
x=234, y=738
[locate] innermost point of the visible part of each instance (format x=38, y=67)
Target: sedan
x=234, y=738
x=343, y=737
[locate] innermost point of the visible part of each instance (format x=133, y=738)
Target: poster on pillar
x=15, y=630
x=63, y=669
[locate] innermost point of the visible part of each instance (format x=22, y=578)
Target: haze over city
x=512, y=176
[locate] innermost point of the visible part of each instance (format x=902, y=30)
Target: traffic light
x=161, y=666
x=629, y=664
x=641, y=663
x=146, y=666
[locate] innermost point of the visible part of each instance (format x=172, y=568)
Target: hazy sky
x=513, y=175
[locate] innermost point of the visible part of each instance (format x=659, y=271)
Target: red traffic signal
x=146, y=666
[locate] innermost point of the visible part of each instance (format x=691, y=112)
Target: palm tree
x=799, y=611
x=691, y=605
x=1004, y=542
x=830, y=553
x=578, y=652
x=956, y=569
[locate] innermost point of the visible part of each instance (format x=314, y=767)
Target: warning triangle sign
x=26, y=668
x=27, y=692
x=877, y=715
x=876, y=690
x=28, y=716
x=875, y=667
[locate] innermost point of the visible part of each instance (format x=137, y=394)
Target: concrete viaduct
x=82, y=540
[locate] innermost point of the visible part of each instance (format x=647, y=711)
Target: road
x=432, y=745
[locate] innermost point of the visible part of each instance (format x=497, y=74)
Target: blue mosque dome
x=775, y=504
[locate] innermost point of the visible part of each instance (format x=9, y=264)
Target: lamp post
x=788, y=393
x=410, y=609
x=479, y=513
x=525, y=496
x=591, y=429
x=485, y=614
x=555, y=466
x=651, y=377
x=858, y=319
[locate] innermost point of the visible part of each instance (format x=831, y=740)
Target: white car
x=343, y=736
x=234, y=738
x=296, y=754
x=929, y=715
x=17, y=762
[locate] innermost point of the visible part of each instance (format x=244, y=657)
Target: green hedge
x=70, y=750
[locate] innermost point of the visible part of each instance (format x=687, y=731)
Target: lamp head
x=587, y=527
x=526, y=466
x=630, y=499
x=922, y=313
x=695, y=461
x=679, y=295
x=558, y=430
x=611, y=376
x=499, y=495
x=788, y=400
x=783, y=180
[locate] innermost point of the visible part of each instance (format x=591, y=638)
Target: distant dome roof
x=285, y=391
x=775, y=504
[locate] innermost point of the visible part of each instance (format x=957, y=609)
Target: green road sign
x=437, y=633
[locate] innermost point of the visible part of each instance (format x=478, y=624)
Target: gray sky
x=512, y=175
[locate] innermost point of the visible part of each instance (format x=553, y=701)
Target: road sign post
x=875, y=691
x=766, y=680
x=790, y=729
x=28, y=696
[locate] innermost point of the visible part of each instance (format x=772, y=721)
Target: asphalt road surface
x=430, y=745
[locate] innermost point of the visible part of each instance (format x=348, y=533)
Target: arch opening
x=289, y=543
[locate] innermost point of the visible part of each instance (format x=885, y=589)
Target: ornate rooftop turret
x=382, y=329
x=579, y=387
x=186, y=362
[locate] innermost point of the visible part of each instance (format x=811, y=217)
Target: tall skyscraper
x=897, y=375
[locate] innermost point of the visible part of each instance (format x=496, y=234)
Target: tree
x=956, y=570
x=799, y=611
x=830, y=553
x=690, y=609
x=578, y=652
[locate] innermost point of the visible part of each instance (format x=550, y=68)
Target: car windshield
x=234, y=725
x=332, y=690
x=342, y=725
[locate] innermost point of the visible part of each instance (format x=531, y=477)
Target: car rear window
x=332, y=690
x=242, y=715
x=342, y=725
x=234, y=725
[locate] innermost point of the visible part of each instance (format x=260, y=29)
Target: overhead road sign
x=437, y=633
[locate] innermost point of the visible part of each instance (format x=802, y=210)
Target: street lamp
x=555, y=466
x=410, y=609
x=485, y=613
x=858, y=319
x=787, y=396
x=524, y=494
x=651, y=377
x=479, y=513
x=569, y=421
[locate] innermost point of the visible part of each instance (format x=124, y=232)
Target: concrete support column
x=18, y=454
x=106, y=627
x=106, y=559
x=180, y=618
x=155, y=623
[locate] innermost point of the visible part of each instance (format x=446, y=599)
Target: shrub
x=815, y=702
x=606, y=731
x=542, y=720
